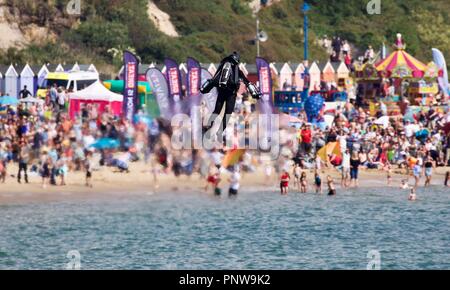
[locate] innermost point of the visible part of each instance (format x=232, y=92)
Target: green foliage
x=99, y=35
x=210, y=29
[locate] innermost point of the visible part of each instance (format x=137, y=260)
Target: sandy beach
x=107, y=183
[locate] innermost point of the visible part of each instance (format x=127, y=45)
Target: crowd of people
x=43, y=141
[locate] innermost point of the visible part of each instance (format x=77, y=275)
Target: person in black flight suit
x=227, y=80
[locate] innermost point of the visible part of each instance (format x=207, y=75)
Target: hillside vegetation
x=210, y=29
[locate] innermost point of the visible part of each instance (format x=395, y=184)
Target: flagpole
x=257, y=37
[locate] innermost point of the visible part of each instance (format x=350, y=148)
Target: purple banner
x=211, y=97
x=174, y=80
x=160, y=89
x=265, y=86
x=130, y=93
x=194, y=79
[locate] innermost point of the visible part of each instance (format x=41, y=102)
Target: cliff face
x=42, y=30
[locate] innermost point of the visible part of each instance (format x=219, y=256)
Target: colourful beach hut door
x=11, y=82
x=27, y=78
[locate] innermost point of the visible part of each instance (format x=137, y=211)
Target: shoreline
x=139, y=181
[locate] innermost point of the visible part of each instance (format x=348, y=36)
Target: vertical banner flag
x=130, y=94
x=174, y=80
x=439, y=60
x=265, y=85
x=194, y=79
x=158, y=83
x=211, y=97
x=265, y=127
x=193, y=83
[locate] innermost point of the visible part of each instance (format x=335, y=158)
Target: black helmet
x=235, y=57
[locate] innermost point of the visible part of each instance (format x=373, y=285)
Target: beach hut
x=12, y=82
x=3, y=70
x=342, y=71
x=299, y=70
x=328, y=72
x=96, y=94
x=252, y=73
x=276, y=68
x=212, y=68
x=59, y=68
x=342, y=75
x=183, y=72
x=28, y=78
x=314, y=77
x=285, y=77
x=41, y=75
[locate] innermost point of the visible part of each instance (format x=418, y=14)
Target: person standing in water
x=297, y=173
x=389, y=174
x=412, y=194
x=234, y=182
x=447, y=179
x=214, y=180
x=355, y=161
x=303, y=183
x=284, y=183
x=428, y=165
x=331, y=187
x=345, y=182
x=318, y=183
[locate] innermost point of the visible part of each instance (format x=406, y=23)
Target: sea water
x=257, y=230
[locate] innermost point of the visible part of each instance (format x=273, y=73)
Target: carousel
x=409, y=77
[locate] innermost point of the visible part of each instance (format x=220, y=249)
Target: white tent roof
x=32, y=100
x=96, y=92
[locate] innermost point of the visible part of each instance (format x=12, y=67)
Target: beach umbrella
x=8, y=101
x=106, y=143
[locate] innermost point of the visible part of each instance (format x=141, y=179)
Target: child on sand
x=331, y=188
x=284, y=183
x=318, y=183
x=412, y=194
x=303, y=183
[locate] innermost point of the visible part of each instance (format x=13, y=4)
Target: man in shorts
x=345, y=178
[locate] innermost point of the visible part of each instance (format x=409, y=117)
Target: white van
x=71, y=81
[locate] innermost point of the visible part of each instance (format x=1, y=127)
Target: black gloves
x=254, y=91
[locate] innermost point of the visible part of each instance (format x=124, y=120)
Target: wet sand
x=139, y=181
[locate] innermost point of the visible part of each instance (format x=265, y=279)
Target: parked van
x=71, y=81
